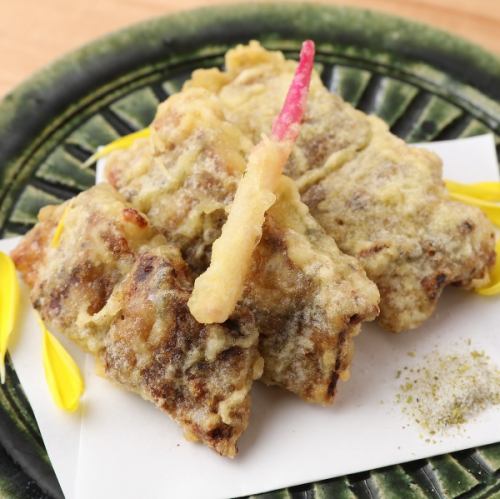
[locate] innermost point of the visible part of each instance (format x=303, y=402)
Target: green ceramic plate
x=426, y=84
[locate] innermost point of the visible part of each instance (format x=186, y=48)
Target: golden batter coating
x=389, y=208
x=120, y=290
x=383, y=201
x=308, y=298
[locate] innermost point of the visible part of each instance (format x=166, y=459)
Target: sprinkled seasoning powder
x=446, y=391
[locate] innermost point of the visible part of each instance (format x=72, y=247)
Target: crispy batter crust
x=120, y=290
x=389, y=207
x=310, y=300
x=383, y=201
x=31, y=254
x=201, y=375
x=303, y=291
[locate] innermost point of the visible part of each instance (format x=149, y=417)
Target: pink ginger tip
x=286, y=125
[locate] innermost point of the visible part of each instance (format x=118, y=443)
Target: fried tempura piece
x=383, y=201
x=308, y=298
x=232, y=251
x=390, y=209
x=120, y=290
x=186, y=175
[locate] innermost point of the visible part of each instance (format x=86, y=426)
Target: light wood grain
x=34, y=32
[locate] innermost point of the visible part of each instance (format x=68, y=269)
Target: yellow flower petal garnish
x=61, y=372
x=9, y=302
x=487, y=191
x=122, y=143
x=493, y=288
x=56, y=238
x=490, y=291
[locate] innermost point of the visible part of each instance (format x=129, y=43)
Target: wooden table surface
x=34, y=32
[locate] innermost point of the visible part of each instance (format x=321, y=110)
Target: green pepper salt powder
x=446, y=391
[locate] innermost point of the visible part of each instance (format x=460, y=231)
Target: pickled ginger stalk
x=219, y=288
